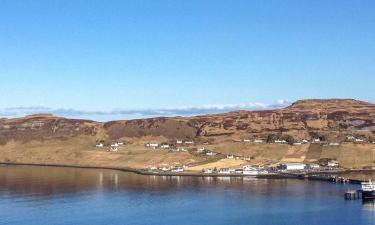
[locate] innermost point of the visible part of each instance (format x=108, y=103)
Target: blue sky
x=107, y=55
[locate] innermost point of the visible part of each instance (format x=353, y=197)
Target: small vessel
x=368, y=190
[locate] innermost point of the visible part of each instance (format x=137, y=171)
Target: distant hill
x=331, y=119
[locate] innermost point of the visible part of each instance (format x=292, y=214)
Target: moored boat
x=368, y=190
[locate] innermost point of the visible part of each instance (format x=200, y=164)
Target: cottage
x=291, y=166
x=165, y=146
x=165, y=168
x=189, y=142
x=224, y=171
x=207, y=170
x=278, y=141
x=177, y=169
x=200, y=149
x=333, y=164
x=247, y=158
x=230, y=156
x=258, y=141
x=297, y=143
x=312, y=166
x=179, y=142
x=100, y=145
x=113, y=148
x=209, y=153
x=334, y=144
x=152, y=168
x=316, y=140
x=358, y=140
x=246, y=140
x=304, y=141
x=350, y=138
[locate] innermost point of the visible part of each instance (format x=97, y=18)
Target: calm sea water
x=51, y=195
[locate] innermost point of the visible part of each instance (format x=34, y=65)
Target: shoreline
x=307, y=175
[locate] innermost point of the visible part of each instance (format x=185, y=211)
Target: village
x=244, y=166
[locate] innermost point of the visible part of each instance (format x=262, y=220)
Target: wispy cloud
x=140, y=113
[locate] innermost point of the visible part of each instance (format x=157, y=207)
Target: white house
x=304, y=141
x=358, y=140
x=179, y=142
x=292, y=166
x=334, y=144
x=297, y=143
x=224, y=171
x=258, y=141
x=165, y=146
x=278, y=141
x=100, y=145
x=350, y=138
x=114, y=148
x=207, y=170
x=189, y=142
x=165, y=168
x=230, y=156
x=209, y=153
x=200, y=149
x=246, y=140
x=312, y=166
x=316, y=140
x=333, y=163
x=177, y=169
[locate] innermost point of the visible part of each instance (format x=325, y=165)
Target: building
x=333, y=164
x=165, y=146
x=334, y=144
x=316, y=140
x=246, y=140
x=200, y=149
x=207, y=170
x=189, y=142
x=258, y=141
x=209, y=153
x=177, y=169
x=230, y=156
x=292, y=166
x=312, y=166
x=100, y=145
x=224, y=171
x=179, y=142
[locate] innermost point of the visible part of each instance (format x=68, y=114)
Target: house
x=312, y=166
x=247, y=158
x=165, y=146
x=152, y=168
x=177, y=169
x=291, y=166
x=297, y=143
x=224, y=171
x=189, y=142
x=230, y=156
x=209, y=153
x=304, y=141
x=246, y=140
x=179, y=142
x=113, y=148
x=333, y=163
x=278, y=141
x=238, y=171
x=249, y=170
x=181, y=149
x=165, y=168
x=334, y=144
x=316, y=140
x=100, y=145
x=258, y=141
x=358, y=140
x=200, y=149
x=350, y=138
x=207, y=170
x=120, y=143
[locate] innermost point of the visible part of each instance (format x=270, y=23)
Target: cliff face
x=331, y=119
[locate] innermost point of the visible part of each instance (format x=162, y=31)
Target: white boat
x=368, y=190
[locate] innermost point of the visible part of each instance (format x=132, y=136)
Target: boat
x=368, y=190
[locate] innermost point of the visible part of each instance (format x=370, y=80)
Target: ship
x=368, y=190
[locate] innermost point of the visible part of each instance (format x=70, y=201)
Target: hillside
x=46, y=138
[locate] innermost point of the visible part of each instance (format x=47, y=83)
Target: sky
x=127, y=59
